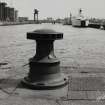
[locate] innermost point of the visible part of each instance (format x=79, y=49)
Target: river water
x=80, y=47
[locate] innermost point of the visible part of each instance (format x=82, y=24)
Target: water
x=80, y=47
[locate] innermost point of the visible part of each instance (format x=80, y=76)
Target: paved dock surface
x=84, y=88
x=82, y=56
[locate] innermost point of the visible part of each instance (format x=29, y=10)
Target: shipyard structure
x=7, y=13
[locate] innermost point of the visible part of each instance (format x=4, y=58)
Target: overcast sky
x=58, y=8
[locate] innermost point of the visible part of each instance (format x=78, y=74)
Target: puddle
x=84, y=72
x=5, y=66
x=3, y=63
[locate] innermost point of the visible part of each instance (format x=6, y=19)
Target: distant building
x=12, y=14
x=49, y=19
x=16, y=15
x=23, y=19
x=67, y=21
x=2, y=11
x=59, y=20
x=7, y=13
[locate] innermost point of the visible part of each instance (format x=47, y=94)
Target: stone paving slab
x=10, y=79
x=13, y=100
x=3, y=95
x=87, y=83
x=96, y=95
x=83, y=89
x=74, y=69
x=82, y=102
x=3, y=75
x=80, y=75
x=78, y=95
x=9, y=85
x=86, y=95
x=46, y=94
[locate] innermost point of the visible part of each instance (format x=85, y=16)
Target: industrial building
x=7, y=13
x=23, y=19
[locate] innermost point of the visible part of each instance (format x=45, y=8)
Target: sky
x=58, y=8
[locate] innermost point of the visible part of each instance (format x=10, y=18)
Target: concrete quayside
x=82, y=56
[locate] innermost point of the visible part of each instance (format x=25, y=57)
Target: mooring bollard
x=44, y=70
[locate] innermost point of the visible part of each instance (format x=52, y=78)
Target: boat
x=79, y=20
